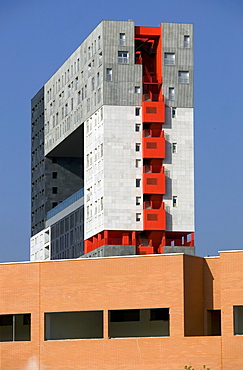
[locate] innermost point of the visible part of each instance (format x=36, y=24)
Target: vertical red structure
x=154, y=238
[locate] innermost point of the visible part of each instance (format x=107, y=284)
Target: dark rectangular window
x=54, y=190
x=54, y=175
x=238, y=320
x=15, y=328
x=152, y=322
x=74, y=325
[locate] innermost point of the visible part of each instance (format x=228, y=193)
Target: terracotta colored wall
x=113, y=283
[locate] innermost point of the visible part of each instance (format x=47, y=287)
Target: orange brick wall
x=182, y=283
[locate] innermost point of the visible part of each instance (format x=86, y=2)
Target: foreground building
x=181, y=310
x=112, y=146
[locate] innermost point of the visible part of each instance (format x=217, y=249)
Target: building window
x=123, y=57
x=79, y=97
x=100, y=59
x=238, y=320
x=138, y=163
x=137, y=147
x=15, y=328
x=66, y=109
x=137, y=111
x=137, y=127
x=138, y=201
x=183, y=77
x=171, y=93
x=138, y=183
x=173, y=112
x=54, y=190
x=175, y=201
x=89, y=53
x=109, y=74
x=98, y=79
x=122, y=39
x=174, y=147
x=85, y=91
x=76, y=83
x=72, y=104
x=92, y=84
x=73, y=325
x=89, y=70
x=154, y=322
x=98, y=42
x=186, y=41
x=169, y=59
x=99, y=95
x=137, y=90
x=88, y=104
x=138, y=216
x=56, y=118
x=54, y=175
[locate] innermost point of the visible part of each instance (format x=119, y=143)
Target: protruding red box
x=153, y=111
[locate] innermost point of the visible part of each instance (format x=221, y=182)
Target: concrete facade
x=116, y=120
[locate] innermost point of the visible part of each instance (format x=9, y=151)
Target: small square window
x=54, y=190
x=137, y=127
x=169, y=59
x=54, y=204
x=138, y=201
x=138, y=183
x=137, y=111
x=171, y=93
x=183, y=77
x=138, y=216
x=122, y=39
x=137, y=90
x=138, y=163
x=123, y=57
x=186, y=41
x=109, y=74
x=174, y=147
x=54, y=175
x=175, y=202
x=138, y=147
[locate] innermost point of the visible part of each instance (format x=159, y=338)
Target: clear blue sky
x=36, y=37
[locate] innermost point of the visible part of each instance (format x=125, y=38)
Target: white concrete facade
x=40, y=246
x=179, y=169
x=110, y=170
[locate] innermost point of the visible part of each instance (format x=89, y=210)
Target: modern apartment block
x=112, y=146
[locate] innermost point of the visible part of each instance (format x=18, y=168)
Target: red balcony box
x=153, y=111
x=153, y=147
x=141, y=249
x=154, y=219
x=154, y=183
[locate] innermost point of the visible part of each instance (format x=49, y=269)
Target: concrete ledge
x=111, y=250
x=175, y=249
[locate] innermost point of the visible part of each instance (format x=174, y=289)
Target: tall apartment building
x=112, y=146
